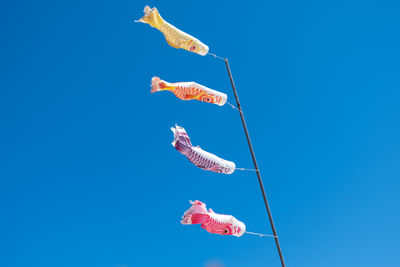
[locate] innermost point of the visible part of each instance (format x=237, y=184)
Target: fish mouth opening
x=204, y=50
x=241, y=229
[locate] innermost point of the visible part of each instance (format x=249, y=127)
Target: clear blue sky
x=88, y=176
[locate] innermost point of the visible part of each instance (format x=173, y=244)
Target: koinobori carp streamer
x=189, y=91
x=175, y=37
x=213, y=222
x=198, y=156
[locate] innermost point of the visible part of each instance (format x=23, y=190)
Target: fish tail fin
x=159, y=85
x=197, y=207
x=181, y=140
x=155, y=84
x=151, y=17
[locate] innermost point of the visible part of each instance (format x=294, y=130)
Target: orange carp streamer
x=189, y=91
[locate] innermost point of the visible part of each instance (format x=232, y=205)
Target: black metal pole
x=271, y=221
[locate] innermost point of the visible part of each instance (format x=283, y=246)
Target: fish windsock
x=213, y=222
x=198, y=156
x=175, y=37
x=189, y=91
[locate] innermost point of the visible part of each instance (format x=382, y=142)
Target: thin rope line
x=211, y=54
x=244, y=169
x=232, y=106
x=260, y=235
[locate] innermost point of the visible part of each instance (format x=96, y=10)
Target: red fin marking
x=199, y=218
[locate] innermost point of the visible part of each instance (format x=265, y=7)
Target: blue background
x=87, y=173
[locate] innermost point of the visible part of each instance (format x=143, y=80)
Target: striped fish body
x=213, y=222
x=198, y=156
x=175, y=37
x=210, y=162
x=189, y=91
x=222, y=224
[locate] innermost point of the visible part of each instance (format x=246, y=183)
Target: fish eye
x=192, y=48
x=226, y=231
x=208, y=99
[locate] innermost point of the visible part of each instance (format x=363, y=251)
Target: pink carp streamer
x=213, y=222
x=189, y=91
x=198, y=156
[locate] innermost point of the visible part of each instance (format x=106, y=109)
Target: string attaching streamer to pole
x=260, y=235
x=211, y=54
x=244, y=169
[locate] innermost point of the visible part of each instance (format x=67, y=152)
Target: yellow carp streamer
x=189, y=91
x=175, y=37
